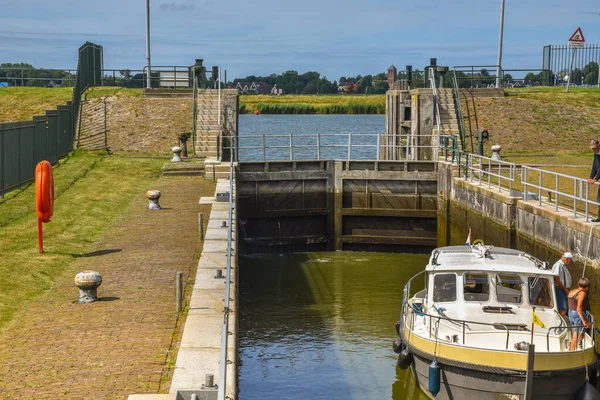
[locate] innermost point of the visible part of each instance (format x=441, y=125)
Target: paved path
x=58, y=349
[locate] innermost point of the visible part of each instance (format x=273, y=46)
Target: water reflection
x=320, y=326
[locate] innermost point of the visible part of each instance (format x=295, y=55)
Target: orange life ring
x=44, y=191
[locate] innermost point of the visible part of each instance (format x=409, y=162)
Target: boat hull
x=474, y=382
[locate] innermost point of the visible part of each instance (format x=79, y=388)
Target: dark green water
x=321, y=325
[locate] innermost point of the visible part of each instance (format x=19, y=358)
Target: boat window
x=476, y=287
x=444, y=287
x=508, y=289
x=539, y=292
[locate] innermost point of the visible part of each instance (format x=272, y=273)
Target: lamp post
x=499, y=68
x=148, y=72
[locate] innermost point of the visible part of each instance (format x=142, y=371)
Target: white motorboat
x=469, y=327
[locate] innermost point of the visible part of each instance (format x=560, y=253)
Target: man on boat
x=595, y=174
x=562, y=282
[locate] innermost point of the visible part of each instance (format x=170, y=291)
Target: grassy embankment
x=92, y=190
x=313, y=104
x=22, y=103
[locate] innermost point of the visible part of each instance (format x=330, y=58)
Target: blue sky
x=259, y=37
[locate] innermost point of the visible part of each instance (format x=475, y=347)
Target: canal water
x=321, y=326
x=275, y=130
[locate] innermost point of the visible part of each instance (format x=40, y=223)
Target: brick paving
x=58, y=349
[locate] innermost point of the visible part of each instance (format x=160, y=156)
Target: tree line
x=311, y=82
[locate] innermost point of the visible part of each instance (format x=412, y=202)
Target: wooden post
x=179, y=290
x=201, y=226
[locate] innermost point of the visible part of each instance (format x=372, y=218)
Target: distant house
x=350, y=87
x=253, y=87
x=276, y=91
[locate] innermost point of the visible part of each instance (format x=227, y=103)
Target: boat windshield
x=539, y=291
x=509, y=288
x=476, y=286
x=444, y=288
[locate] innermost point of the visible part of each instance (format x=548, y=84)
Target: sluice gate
x=336, y=205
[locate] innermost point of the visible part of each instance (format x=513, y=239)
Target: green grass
x=22, y=103
x=92, y=190
x=576, y=97
x=313, y=104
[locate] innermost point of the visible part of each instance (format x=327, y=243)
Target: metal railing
x=458, y=107
x=335, y=146
x=436, y=105
x=227, y=300
x=493, y=172
x=561, y=191
x=555, y=183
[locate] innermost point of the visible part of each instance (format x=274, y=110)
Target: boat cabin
x=483, y=296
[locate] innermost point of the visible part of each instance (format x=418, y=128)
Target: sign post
x=576, y=41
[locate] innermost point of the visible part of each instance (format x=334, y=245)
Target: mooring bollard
x=153, y=196
x=219, y=274
x=176, y=154
x=224, y=224
x=201, y=225
x=179, y=290
x=209, y=380
x=496, y=152
x=88, y=282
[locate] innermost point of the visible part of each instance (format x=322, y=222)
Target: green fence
x=48, y=137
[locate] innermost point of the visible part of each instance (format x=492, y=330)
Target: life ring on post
x=44, y=191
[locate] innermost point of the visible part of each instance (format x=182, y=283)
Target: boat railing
x=463, y=323
x=561, y=327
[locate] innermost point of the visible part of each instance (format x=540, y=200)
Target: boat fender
x=404, y=359
x=435, y=373
x=587, y=392
x=397, y=326
x=397, y=346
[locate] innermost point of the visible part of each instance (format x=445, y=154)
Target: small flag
x=536, y=320
x=468, y=242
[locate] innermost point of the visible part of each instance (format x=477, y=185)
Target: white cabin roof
x=485, y=258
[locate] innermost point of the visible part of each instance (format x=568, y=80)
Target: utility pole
x=148, y=71
x=499, y=69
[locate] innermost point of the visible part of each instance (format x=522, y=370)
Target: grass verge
x=22, y=103
x=576, y=97
x=316, y=104
x=92, y=190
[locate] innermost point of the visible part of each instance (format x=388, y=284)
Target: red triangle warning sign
x=577, y=37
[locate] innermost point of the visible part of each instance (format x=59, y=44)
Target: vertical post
x=291, y=148
x=378, y=146
x=219, y=105
x=318, y=146
x=40, y=236
x=148, y=72
x=570, y=69
x=349, y=146
x=529, y=376
x=540, y=189
x=574, y=198
x=556, y=193
x=499, y=68
x=201, y=225
x=264, y=148
x=179, y=290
